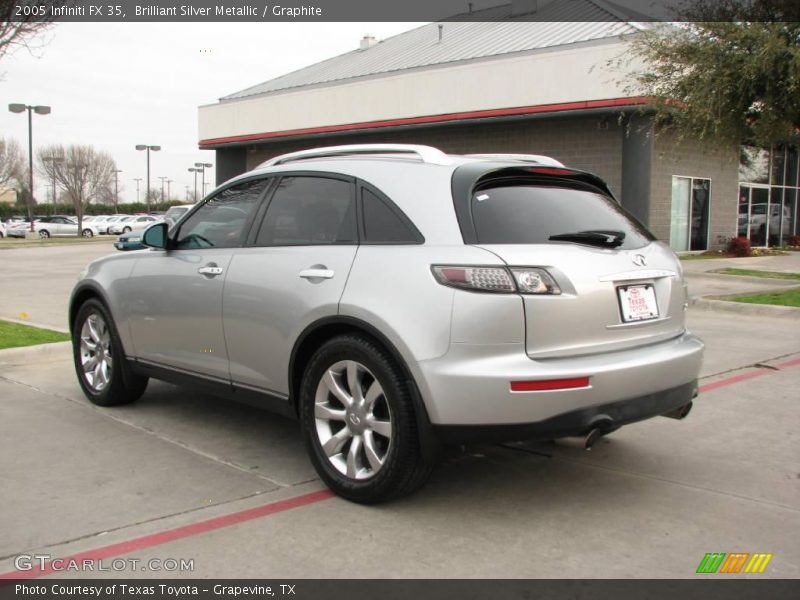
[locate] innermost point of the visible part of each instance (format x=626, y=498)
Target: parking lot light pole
x=116, y=189
x=148, y=149
x=163, y=179
x=137, y=180
x=195, y=171
x=203, y=167
x=39, y=110
x=169, y=193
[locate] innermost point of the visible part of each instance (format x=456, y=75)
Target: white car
x=129, y=224
x=175, y=213
x=105, y=223
x=60, y=225
x=2, y=230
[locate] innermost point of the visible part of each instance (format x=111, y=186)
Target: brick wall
x=583, y=143
x=695, y=159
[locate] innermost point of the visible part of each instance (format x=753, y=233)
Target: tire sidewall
x=404, y=439
x=106, y=396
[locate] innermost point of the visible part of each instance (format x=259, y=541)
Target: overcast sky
x=115, y=85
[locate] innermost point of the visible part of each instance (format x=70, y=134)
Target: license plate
x=637, y=302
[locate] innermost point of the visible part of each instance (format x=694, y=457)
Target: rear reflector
x=549, y=384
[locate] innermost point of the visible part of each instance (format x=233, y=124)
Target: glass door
x=689, y=216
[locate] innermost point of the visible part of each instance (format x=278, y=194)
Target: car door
x=175, y=295
x=292, y=274
x=66, y=226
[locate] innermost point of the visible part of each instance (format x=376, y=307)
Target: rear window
x=533, y=214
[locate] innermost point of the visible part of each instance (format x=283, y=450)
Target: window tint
x=381, y=224
x=530, y=214
x=223, y=220
x=307, y=211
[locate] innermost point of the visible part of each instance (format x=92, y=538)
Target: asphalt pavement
x=185, y=476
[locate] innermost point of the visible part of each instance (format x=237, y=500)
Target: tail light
x=503, y=280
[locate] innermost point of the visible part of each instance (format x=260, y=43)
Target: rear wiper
x=596, y=237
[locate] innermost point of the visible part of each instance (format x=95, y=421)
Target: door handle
x=316, y=274
x=210, y=270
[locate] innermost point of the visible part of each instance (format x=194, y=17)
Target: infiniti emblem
x=639, y=260
x=354, y=419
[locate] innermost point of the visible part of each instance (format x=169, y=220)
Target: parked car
x=139, y=223
x=102, y=226
x=2, y=230
x=60, y=225
x=174, y=213
x=393, y=298
x=129, y=241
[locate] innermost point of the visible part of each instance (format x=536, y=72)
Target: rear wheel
x=44, y=234
x=359, y=423
x=126, y=230
x=87, y=233
x=103, y=372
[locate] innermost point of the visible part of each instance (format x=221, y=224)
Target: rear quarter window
x=533, y=213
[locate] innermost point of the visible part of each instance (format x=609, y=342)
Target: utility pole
x=137, y=180
x=116, y=189
x=163, y=179
x=169, y=194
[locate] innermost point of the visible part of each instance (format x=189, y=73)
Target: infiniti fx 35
x=394, y=298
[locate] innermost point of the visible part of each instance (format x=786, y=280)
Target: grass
x=15, y=335
x=754, y=273
x=785, y=298
x=703, y=256
x=7, y=243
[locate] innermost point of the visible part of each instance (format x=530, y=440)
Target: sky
x=116, y=85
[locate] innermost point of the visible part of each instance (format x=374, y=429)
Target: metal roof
x=557, y=24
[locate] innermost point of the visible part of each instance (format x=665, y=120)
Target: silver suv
x=394, y=298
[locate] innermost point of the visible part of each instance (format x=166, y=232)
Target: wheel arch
x=81, y=294
x=324, y=329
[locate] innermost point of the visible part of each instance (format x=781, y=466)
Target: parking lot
x=181, y=476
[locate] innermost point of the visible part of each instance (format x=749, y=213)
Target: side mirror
x=155, y=236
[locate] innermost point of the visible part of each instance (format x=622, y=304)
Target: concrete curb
x=26, y=354
x=764, y=310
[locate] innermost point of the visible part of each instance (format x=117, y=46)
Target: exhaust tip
x=680, y=412
x=592, y=437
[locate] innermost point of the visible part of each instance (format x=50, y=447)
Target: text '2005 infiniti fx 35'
x=394, y=298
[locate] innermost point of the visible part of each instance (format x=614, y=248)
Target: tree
x=730, y=71
x=12, y=163
x=82, y=172
x=23, y=22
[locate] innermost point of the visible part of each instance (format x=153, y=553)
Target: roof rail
x=534, y=158
x=426, y=153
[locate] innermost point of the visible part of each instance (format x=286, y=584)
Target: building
x=7, y=195
x=499, y=84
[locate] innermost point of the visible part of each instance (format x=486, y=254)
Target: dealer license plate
x=637, y=302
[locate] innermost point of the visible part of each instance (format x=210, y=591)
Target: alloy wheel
x=353, y=420
x=96, y=352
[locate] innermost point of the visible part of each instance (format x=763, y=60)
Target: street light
x=116, y=189
x=55, y=160
x=195, y=171
x=169, y=194
x=148, y=148
x=39, y=110
x=137, y=180
x=203, y=167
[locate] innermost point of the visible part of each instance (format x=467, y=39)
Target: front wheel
x=359, y=423
x=103, y=372
x=44, y=234
x=126, y=230
x=87, y=233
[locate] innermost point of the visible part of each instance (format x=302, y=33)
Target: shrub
x=739, y=246
x=793, y=240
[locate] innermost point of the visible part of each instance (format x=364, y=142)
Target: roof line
x=428, y=119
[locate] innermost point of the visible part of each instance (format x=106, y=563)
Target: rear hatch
x=619, y=288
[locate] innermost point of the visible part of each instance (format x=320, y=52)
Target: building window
x=689, y=218
x=768, y=195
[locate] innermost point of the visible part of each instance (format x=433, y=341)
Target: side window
x=382, y=224
x=309, y=211
x=223, y=220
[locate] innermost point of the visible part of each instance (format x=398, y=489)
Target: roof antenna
x=441, y=29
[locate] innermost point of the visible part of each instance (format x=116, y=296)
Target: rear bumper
x=577, y=422
x=471, y=384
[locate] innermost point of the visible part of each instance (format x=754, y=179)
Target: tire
x=112, y=382
x=43, y=233
x=88, y=233
x=373, y=450
x=126, y=230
